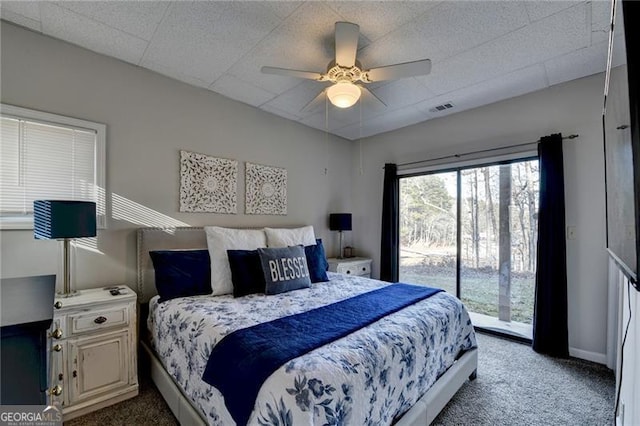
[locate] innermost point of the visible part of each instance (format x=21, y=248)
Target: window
x=48, y=156
x=472, y=231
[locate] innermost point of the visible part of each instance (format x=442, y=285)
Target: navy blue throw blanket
x=244, y=359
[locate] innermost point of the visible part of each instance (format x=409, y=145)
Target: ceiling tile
x=319, y=121
x=541, y=9
x=178, y=74
x=445, y=30
x=27, y=9
x=281, y=113
x=350, y=132
x=139, y=18
x=207, y=38
x=294, y=100
x=496, y=89
x=403, y=92
x=283, y=9
x=482, y=51
x=22, y=20
x=239, y=90
x=391, y=120
x=67, y=25
x=601, y=21
x=581, y=63
x=541, y=41
x=381, y=17
x=305, y=41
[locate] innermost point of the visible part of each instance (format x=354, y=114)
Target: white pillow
x=285, y=237
x=219, y=240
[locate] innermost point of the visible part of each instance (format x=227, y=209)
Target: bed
x=399, y=370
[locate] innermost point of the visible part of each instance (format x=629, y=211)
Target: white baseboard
x=589, y=356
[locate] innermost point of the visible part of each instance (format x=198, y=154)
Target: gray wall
x=574, y=107
x=149, y=119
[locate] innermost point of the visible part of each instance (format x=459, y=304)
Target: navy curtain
x=550, y=335
x=390, y=224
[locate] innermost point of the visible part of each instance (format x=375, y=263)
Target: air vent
x=442, y=107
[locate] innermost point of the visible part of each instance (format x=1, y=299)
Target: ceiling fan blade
x=406, y=69
x=315, y=103
x=309, y=75
x=369, y=95
x=346, y=43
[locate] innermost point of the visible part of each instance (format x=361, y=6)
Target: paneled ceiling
x=481, y=51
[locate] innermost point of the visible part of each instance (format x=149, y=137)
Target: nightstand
x=359, y=266
x=93, y=359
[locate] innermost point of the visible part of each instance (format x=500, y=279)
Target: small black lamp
x=340, y=222
x=64, y=220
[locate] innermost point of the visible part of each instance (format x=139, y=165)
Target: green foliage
x=428, y=214
x=427, y=211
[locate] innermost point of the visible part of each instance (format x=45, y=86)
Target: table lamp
x=340, y=222
x=64, y=220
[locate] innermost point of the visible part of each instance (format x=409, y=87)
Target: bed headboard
x=162, y=239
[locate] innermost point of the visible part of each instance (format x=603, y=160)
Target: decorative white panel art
x=208, y=184
x=266, y=190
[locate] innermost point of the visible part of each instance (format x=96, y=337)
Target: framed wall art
x=208, y=184
x=265, y=189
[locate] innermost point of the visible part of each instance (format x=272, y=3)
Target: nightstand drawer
x=358, y=266
x=354, y=269
x=89, y=321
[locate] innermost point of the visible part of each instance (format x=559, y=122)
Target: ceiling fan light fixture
x=344, y=94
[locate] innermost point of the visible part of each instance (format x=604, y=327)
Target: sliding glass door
x=428, y=230
x=473, y=231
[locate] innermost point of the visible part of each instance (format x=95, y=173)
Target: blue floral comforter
x=369, y=377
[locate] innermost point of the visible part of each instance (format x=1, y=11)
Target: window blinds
x=44, y=161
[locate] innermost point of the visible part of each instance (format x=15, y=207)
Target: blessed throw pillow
x=181, y=273
x=246, y=272
x=285, y=237
x=219, y=240
x=284, y=269
x=317, y=262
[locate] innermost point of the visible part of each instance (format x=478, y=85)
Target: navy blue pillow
x=181, y=273
x=284, y=269
x=246, y=272
x=317, y=262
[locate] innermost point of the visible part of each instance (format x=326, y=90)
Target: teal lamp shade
x=58, y=219
x=64, y=220
x=340, y=221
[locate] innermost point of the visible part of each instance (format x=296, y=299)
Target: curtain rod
x=481, y=151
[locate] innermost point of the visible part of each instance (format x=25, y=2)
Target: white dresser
x=94, y=351
x=359, y=266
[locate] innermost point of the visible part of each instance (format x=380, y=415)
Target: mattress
x=371, y=376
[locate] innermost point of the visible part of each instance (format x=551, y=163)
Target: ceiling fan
x=347, y=74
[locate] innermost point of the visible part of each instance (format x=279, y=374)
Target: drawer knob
x=57, y=347
x=57, y=333
x=100, y=320
x=364, y=268
x=348, y=272
x=57, y=305
x=56, y=390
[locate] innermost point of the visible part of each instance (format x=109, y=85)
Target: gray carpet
x=515, y=386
